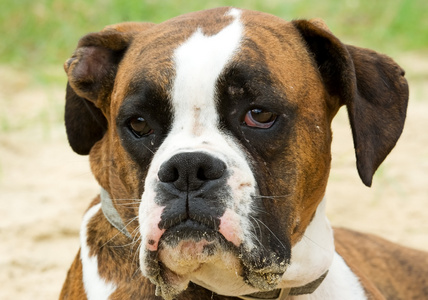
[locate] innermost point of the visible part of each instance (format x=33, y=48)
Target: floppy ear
x=371, y=85
x=91, y=73
x=85, y=124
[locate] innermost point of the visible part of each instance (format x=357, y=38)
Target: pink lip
x=156, y=233
x=230, y=227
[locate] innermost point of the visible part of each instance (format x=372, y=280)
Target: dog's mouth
x=189, y=250
x=187, y=246
x=184, y=250
x=191, y=231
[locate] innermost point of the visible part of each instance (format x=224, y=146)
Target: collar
x=114, y=218
x=282, y=294
x=112, y=214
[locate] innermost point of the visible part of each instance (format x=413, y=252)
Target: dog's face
x=221, y=135
x=219, y=123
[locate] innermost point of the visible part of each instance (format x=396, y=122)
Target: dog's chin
x=188, y=256
x=192, y=252
x=187, y=247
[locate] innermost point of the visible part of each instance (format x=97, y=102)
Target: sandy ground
x=45, y=187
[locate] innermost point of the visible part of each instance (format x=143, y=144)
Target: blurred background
x=45, y=187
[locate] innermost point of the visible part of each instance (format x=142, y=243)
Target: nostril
x=166, y=174
x=201, y=174
x=212, y=169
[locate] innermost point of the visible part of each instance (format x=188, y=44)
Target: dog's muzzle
x=190, y=188
x=196, y=216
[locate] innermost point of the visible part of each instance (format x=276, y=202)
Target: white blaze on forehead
x=199, y=62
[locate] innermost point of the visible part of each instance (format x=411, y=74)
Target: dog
x=210, y=135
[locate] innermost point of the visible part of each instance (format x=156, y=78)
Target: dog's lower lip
x=207, y=221
x=189, y=230
x=192, y=231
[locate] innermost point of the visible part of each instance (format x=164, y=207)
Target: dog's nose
x=190, y=170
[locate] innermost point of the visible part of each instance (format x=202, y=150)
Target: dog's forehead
x=158, y=44
x=152, y=51
x=204, y=45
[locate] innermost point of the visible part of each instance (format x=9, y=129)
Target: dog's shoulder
x=397, y=272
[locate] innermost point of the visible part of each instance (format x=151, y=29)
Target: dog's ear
x=371, y=85
x=91, y=72
x=85, y=124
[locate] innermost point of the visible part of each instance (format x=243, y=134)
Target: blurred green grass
x=45, y=32
x=38, y=36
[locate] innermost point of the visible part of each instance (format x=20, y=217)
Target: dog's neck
x=112, y=215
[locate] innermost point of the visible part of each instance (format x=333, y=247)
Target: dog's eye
x=139, y=126
x=259, y=118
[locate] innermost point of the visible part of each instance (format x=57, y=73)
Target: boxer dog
x=209, y=135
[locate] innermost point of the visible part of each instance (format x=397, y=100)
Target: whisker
x=271, y=197
x=315, y=243
x=259, y=210
x=124, y=245
x=255, y=233
x=133, y=202
x=274, y=235
x=135, y=259
x=109, y=240
x=130, y=221
x=136, y=272
x=122, y=201
x=129, y=205
x=148, y=149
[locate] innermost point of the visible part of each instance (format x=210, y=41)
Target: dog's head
x=218, y=122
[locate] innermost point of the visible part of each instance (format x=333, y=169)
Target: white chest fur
x=339, y=284
x=95, y=286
